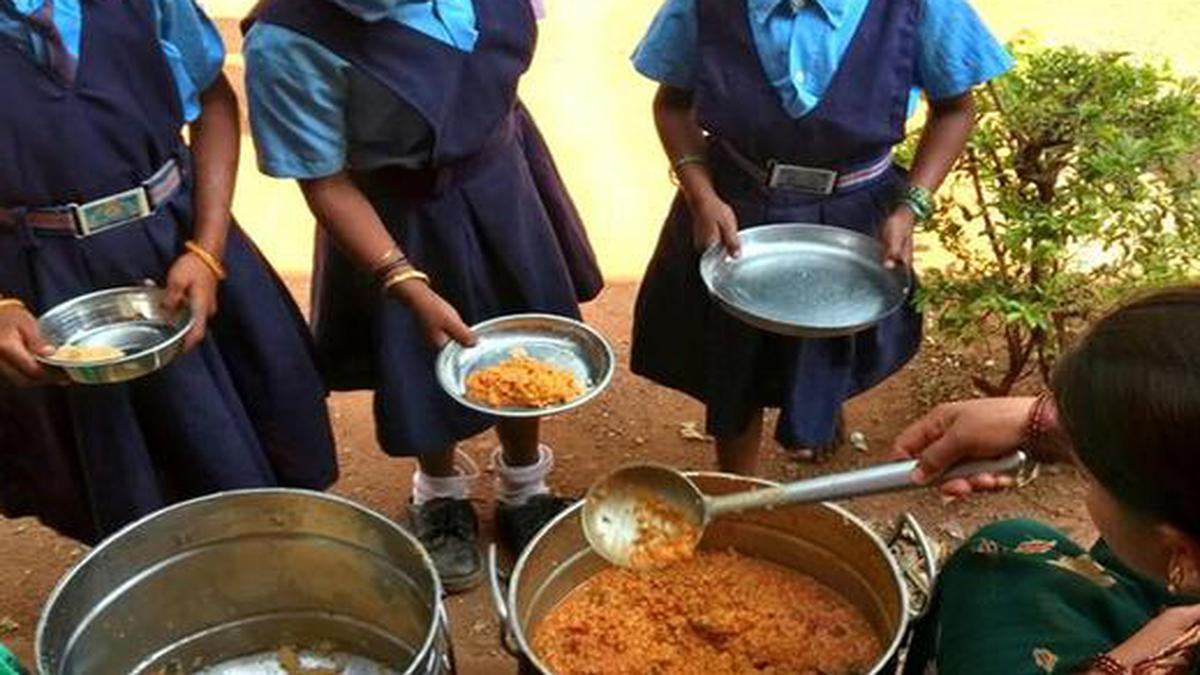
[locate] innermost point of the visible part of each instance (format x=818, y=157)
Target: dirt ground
x=634, y=420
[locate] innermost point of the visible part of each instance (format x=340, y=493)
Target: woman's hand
x=439, y=320
x=954, y=432
x=191, y=281
x=897, y=237
x=714, y=221
x=1174, y=625
x=20, y=340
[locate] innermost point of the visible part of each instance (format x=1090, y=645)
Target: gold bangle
x=210, y=261
x=393, y=255
x=12, y=302
x=402, y=275
x=683, y=161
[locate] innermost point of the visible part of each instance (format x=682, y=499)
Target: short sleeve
x=668, y=52
x=956, y=52
x=193, y=49
x=297, y=92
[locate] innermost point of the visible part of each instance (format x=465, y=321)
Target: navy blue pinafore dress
x=245, y=408
x=681, y=338
x=488, y=218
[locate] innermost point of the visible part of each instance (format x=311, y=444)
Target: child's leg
x=443, y=519
x=522, y=463
x=525, y=502
x=438, y=465
x=519, y=441
x=739, y=454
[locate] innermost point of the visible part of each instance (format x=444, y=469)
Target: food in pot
x=718, y=613
x=87, y=353
x=522, y=381
x=291, y=663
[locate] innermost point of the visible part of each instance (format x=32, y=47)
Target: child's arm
x=945, y=135
x=712, y=219
x=344, y=211
x=215, y=144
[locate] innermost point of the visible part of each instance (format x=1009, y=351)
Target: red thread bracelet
x=1036, y=426
x=1107, y=665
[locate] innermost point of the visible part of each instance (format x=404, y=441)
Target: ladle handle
x=890, y=477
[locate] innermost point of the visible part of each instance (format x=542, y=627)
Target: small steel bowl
x=553, y=339
x=131, y=319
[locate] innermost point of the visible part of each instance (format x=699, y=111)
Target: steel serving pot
x=222, y=583
x=824, y=541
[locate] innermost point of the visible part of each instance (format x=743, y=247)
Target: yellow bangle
x=12, y=302
x=402, y=275
x=210, y=261
x=393, y=255
x=682, y=162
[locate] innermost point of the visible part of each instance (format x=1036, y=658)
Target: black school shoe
x=449, y=531
x=516, y=526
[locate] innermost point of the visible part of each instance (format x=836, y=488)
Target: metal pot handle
x=909, y=530
x=499, y=606
x=449, y=662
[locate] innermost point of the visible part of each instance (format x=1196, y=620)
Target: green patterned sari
x=1020, y=598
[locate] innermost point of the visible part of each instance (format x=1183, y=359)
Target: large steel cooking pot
x=231, y=583
x=824, y=541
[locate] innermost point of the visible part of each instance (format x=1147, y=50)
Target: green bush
x=1079, y=183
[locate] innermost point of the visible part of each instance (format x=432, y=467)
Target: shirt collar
x=834, y=11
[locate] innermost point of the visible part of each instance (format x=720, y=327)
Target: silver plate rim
x=67, y=305
x=453, y=349
x=715, y=256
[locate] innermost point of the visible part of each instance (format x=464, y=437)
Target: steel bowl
x=562, y=342
x=222, y=585
x=824, y=541
x=131, y=319
x=806, y=280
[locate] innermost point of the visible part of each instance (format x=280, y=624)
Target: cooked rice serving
x=87, y=353
x=664, y=535
x=718, y=613
x=522, y=381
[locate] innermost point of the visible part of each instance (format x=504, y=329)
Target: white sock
x=515, y=485
x=426, y=488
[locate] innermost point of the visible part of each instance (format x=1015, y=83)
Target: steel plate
x=805, y=280
x=556, y=340
x=131, y=319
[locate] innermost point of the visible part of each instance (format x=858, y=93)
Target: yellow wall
x=595, y=111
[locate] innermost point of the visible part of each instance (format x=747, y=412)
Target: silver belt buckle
x=101, y=214
x=803, y=178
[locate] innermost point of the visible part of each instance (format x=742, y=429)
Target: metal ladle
x=615, y=510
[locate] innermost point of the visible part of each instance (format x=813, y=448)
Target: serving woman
x=776, y=111
x=1021, y=597
x=98, y=189
x=439, y=207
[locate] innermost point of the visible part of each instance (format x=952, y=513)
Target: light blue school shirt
x=188, y=39
x=313, y=114
x=801, y=44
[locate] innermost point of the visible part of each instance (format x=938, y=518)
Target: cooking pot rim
x=427, y=644
x=518, y=632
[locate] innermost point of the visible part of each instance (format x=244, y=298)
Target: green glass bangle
x=920, y=200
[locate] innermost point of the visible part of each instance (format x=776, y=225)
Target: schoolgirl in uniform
x=787, y=111
x=440, y=207
x=98, y=189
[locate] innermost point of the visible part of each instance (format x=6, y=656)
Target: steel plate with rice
x=570, y=362
x=114, y=335
x=805, y=280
